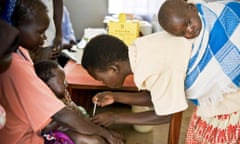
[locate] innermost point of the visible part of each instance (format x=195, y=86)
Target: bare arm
x=146, y=118
x=141, y=118
x=133, y=98
x=79, y=124
x=57, y=17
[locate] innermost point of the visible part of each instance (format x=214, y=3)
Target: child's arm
x=75, y=122
x=133, y=98
x=57, y=17
x=142, y=118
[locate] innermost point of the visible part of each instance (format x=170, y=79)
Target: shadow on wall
x=86, y=13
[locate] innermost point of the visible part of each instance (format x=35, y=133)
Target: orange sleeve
x=35, y=101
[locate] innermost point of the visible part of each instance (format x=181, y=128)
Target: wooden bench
x=82, y=87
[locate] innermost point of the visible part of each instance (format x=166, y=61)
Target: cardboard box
x=125, y=30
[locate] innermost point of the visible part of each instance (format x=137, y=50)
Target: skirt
x=220, y=129
x=56, y=137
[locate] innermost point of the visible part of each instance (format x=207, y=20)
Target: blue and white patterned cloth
x=214, y=67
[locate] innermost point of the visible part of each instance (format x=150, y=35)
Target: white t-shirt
x=159, y=62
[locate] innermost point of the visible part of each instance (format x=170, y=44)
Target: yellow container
x=125, y=30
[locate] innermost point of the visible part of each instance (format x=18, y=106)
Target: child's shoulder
x=153, y=36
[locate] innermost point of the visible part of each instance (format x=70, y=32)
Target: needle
x=94, y=109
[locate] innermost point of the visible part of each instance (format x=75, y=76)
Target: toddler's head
x=180, y=18
x=53, y=75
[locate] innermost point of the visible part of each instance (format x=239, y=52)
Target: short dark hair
x=168, y=9
x=102, y=51
x=43, y=69
x=26, y=9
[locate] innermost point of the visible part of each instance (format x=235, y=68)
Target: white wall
x=90, y=13
x=86, y=13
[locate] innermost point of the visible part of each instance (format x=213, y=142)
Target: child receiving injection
x=53, y=75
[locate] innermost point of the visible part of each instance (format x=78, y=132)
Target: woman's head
x=53, y=75
x=31, y=19
x=180, y=18
x=102, y=58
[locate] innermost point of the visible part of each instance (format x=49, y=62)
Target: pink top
x=28, y=102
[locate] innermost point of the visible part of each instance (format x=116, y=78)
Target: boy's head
x=31, y=19
x=103, y=57
x=180, y=18
x=53, y=75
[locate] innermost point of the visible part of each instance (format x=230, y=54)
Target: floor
x=158, y=134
